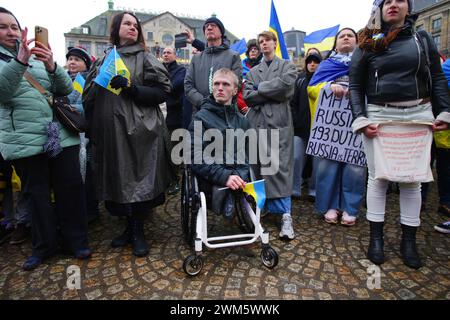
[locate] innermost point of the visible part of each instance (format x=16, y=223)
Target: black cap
x=216, y=22
x=313, y=56
x=80, y=53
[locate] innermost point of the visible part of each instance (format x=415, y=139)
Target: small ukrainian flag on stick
x=257, y=190
x=111, y=67
x=78, y=83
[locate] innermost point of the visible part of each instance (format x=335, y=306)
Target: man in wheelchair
x=218, y=114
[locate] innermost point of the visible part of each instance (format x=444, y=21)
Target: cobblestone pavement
x=323, y=262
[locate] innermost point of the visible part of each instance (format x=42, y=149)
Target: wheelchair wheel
x=244, y=220
x=188, y=212
x=269, y=257
x=193, y=265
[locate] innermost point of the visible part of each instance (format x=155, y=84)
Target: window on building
x=85, y=30
x=100, y=49
x=420, y=27
x=70, y=44
x=103, y=26
x=86, y=46
x=437, y=24
x=167, y=39
x=437, y=41
x=149, y=36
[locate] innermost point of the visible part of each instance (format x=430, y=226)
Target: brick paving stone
x=252, y=291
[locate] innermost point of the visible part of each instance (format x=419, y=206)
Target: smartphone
x=180, y=40
x=41, y=35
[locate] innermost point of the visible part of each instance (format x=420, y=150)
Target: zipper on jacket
x=418, y=66
x=12, y=119
x=376, y=85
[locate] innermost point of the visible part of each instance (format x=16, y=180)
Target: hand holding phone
x=42, y=49
x=41, y=35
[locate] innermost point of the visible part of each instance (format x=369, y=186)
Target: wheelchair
x=194, y=221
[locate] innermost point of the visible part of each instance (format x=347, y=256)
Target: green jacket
x=24, y=112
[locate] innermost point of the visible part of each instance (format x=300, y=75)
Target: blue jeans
x=279, y=205
x=443, y=175
x=339, y=186
x=300, y=158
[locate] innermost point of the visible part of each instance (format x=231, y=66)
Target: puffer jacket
x=198, y=81
x=24, y=112
x=216, y=116
x=398, y=74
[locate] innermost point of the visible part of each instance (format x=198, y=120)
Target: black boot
x=375, y=252
x=124, y=238
x=140, y=246
x=408, y=247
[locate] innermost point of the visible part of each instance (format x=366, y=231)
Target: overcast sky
x=244, y=18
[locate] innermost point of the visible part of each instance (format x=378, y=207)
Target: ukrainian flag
x=281, y=50
x=321, y=39
x=111, y=67
x=240, y=47
x=257, y=190
x=78, y=83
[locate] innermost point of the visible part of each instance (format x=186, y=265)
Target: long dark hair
x=336, y=39
x=366, y=35
x=114, y=37
x=3, y=10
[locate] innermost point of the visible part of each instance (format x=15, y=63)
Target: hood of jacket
x=212, y=50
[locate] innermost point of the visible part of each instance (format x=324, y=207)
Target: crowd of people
x=390, y=73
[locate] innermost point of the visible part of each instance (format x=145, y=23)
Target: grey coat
x=267, y=92
x=130, y=142
x=198, y=81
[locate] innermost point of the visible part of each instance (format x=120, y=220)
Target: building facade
x=294, y=42
x=159, y=32
x=434, y=18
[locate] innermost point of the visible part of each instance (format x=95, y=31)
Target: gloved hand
x=119, y=82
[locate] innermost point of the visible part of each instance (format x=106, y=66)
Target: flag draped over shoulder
x=111, y=67
x=281, y=50
x=321, y=39
x=78, y=83
x=327, y=71
x=257, y=190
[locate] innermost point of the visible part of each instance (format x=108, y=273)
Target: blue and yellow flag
x=257, y=190
x=321, y=39
x=78, y=83
x=111, y=67
x=240, y=47
x=281, y=50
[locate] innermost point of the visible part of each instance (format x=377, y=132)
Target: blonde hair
x=228, y=72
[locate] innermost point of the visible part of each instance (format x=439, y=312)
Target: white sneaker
x=287, y=230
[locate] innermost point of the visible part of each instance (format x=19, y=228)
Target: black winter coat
x=398, y=74
x=175, y=98
x=216, y=116
x=301, y=113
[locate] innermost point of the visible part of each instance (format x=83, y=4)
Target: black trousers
x=39, y=175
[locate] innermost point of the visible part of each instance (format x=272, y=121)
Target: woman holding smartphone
x=24, y=117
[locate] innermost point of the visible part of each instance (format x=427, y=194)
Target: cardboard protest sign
x=331, y=134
